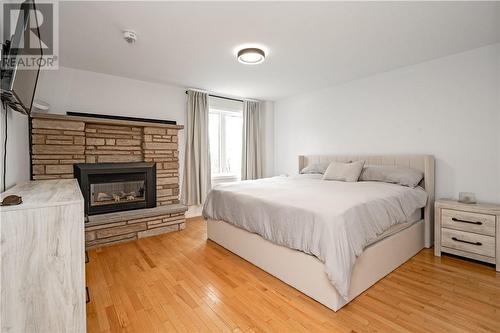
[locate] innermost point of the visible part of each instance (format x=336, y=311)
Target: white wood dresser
x=43, y=259
x=468, y=230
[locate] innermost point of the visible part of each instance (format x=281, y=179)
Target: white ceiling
x=311, y=45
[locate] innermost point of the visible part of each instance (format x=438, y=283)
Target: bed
x=312, y=269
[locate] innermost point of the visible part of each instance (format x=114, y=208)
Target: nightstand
x=468, y=230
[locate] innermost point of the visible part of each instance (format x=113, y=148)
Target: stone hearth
x=59, y=142
x=111, y=228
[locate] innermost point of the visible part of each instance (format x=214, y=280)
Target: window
x=225, y=125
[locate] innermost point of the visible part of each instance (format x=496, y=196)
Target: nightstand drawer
x=470, y=242
x=472, y=222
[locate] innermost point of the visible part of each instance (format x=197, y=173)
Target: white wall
x=498, y=97
x=17, y=149
x=69, y=89
x=448, y=107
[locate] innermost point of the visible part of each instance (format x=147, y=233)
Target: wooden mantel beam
x=103, y=121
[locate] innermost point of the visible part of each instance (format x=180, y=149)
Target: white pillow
x=347, y=172
x=315, y=168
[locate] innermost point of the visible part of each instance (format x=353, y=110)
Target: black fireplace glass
x=113, y=187
x=110, y=193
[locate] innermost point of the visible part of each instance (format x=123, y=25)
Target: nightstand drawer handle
x=464, y=241
x=464, y=221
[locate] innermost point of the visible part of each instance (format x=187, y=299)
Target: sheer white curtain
x=252, y=163
x=197, y=176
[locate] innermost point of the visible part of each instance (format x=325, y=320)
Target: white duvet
x=331, y=220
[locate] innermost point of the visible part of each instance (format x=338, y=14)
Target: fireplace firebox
x=112, y=187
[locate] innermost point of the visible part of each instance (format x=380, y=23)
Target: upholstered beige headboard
x=424, y=163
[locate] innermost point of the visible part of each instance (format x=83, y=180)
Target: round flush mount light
x=251, y=56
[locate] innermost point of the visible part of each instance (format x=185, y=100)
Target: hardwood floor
x=181, y=282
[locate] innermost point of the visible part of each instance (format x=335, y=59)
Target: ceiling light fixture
x=251, y=56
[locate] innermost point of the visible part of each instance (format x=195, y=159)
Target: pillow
x=392, y=174
x=315, y=168
x=347, y=172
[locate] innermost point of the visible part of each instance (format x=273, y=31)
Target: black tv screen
x=20, y=67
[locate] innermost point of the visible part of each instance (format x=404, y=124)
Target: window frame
x=223, y=177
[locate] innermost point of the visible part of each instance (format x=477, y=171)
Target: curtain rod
x=228, y=98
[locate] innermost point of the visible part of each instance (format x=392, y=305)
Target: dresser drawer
x=472, y=222
x=470, y=242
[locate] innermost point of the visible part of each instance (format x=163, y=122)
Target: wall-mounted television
x=20, y=63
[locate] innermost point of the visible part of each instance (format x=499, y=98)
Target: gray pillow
x=392, y=174
x=315, y=168
x=346, y=172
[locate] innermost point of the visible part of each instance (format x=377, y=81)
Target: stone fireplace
x=128, y=171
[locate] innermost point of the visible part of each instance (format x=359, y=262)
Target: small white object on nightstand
x=468, y=230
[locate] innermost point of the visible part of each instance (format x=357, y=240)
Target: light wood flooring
x=181, y=282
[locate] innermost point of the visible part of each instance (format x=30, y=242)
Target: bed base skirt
x=306, y=273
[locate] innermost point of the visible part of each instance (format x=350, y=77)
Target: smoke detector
x=130, y=36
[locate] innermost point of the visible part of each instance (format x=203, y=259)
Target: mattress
x=414, y=218
x=334, y=221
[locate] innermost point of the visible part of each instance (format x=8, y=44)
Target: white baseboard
x=194, y=211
